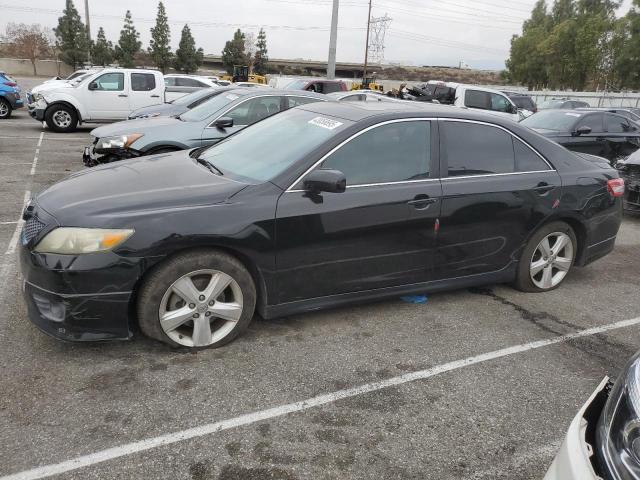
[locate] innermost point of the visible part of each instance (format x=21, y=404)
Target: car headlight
x=72, y=240
x=118, y=141
x=618, y=431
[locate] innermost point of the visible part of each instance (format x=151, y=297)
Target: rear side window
x=477, y=99
x=473, y=149
x=143, y=82
x=616, y=124
x=526, y=159
x=295, y=101
x=330, y=87
x=394, y=152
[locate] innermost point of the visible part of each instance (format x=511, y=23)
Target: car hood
x=163, y=109
x=51, y=86
x=140, y=125
x=106, y=194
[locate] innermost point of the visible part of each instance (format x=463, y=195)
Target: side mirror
x=93, y=86
x=223, y=122
x=332, y=181
x=584, y=130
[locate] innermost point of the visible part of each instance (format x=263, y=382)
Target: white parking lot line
x=35, y=157
x=16, y=233
x=247, y=419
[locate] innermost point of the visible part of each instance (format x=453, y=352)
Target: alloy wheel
x=61, y=119
x=4, y=109
x=551, y=260
x=201, y=308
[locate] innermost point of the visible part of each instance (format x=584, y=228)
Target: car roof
x=261, y=92
x=605, y=109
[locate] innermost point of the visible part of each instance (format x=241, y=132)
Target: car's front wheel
x=197, y=299
x=547, y=258
x=61, y=118
x=5, y=109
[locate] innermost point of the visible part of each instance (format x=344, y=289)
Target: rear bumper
x=574, y=459
x=14, y=100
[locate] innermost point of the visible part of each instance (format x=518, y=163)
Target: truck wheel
x=5, y=108
x=199, y=299
x=547, y=258
x=61, y=118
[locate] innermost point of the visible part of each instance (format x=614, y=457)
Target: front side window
x=110, y=82
x=473, y=149
x=500, y=103
x=594, y=122
x=143, y=82
x=394, y=152
x=254, y=110
x=169, y=81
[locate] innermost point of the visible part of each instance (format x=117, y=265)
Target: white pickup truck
x=106, y=96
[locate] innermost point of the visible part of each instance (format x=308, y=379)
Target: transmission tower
x=378, y=27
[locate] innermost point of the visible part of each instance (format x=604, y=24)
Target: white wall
x=45, y=68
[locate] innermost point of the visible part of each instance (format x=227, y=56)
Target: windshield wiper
x=212, y=168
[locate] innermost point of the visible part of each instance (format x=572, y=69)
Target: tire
x=61, y=118
x=187, y=315
x=5, y=109
x=551, y=268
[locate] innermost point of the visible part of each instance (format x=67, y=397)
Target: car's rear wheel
x=200, y=299
x=547, y=258
x=61, y=118
x=5, y=108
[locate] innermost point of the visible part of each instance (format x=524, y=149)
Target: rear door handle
x=543, y=188
x=422, y=203
x=123, y=95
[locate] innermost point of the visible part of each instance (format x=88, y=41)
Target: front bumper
x=574, y=460
x=78, y=297
x=36, y=113
x=631, y=200
x=91, y=158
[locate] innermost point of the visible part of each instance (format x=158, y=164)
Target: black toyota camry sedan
x=322, y=205
x=605, y=134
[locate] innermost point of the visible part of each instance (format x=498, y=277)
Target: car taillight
x=11, y=84
x=616, y=187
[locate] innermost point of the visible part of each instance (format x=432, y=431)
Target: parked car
x=562, y=104
x=178, y=85
x=524, y=102
x=323, y=205
x=206, y=124
x=179, y=105
x=55, y=85
x=629, y=169
x=467, y=96
x=105, y=96
x=361, y=96
x=318, y=85
x=598, y=133
x=10, y=97
x=602, y=440
x=632, y=114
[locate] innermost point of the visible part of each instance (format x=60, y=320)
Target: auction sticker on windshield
x=325, y=123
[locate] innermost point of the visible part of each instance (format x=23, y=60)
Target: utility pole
x=333, y=40
x=366, y=49
x=87, y=22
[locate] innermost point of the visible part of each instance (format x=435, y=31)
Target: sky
x=420, y=32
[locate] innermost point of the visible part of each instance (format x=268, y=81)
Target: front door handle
x=155, y=96
x=422, y=202
x=123, y=95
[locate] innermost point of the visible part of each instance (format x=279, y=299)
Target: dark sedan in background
x=598, y=133
x=322, y=205
x=205, y=124
x=562, y=104
x=179, y=105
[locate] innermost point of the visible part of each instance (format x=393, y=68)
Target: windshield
x=74, y=75
x=193, y=97
x=78, y=80
x=269, y=147
x=552, y=120
x=297, y=85
x=208, y=108
x=551, y=104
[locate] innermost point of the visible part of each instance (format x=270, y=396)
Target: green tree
x=129, y=43
x=233, y=52
x=159, y=45
x=262, y=56
x=71, y=36
x=102, y=49
x=188, y=59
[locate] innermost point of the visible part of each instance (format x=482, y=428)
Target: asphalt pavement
x=282, y=402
